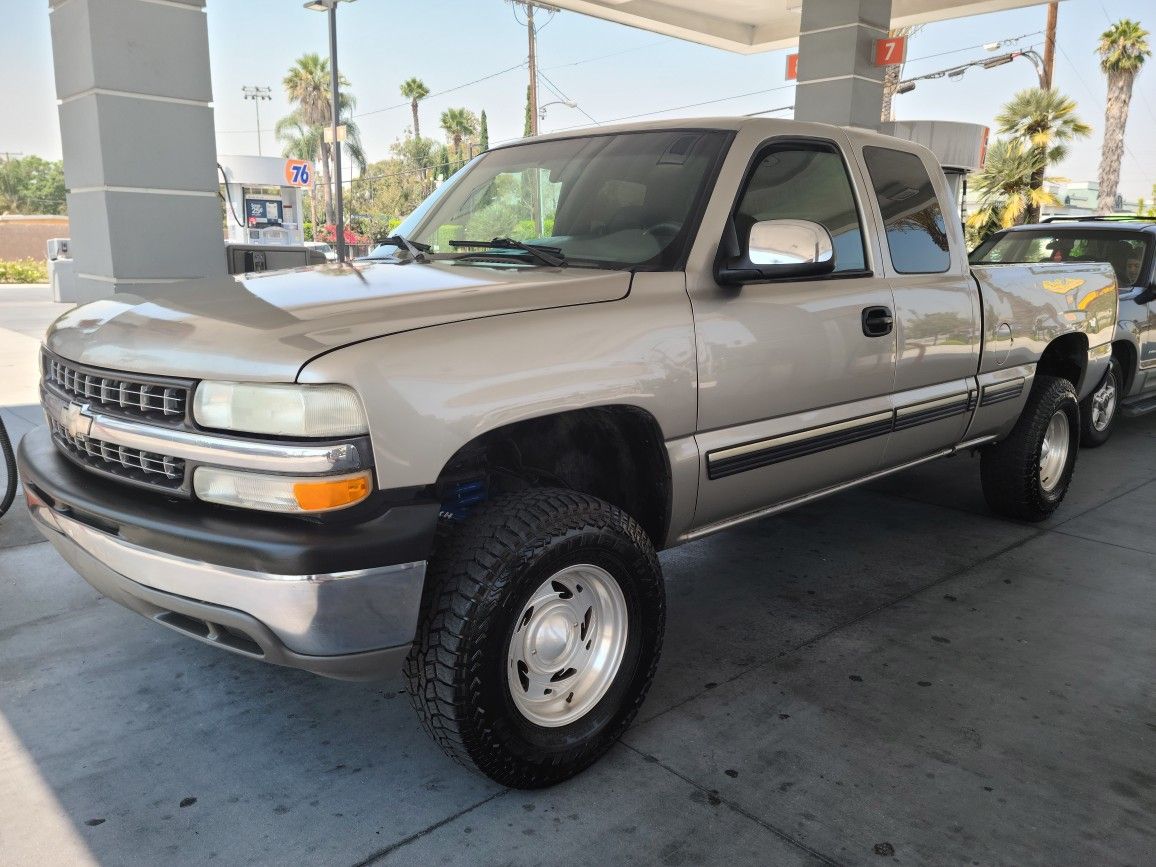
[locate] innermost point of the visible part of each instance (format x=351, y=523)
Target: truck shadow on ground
x=155, y=748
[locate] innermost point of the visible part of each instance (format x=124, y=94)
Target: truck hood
x=265, y=327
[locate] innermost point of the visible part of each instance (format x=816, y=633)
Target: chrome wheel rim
x=1104, y=404
x=1054, y=451
x=567, y=646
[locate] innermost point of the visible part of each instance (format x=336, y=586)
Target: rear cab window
x=912, y=217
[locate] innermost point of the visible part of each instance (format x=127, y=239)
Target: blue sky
x=610, y=70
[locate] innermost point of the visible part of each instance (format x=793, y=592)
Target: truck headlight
x=280, y=410
x=269, y=493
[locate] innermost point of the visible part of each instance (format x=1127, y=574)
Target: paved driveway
x=887, y=676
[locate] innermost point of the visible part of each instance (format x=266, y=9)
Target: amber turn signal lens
x=327, y=494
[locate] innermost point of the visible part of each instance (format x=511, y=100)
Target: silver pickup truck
x=461, y=455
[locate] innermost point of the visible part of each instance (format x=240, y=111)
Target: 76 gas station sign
x=298, y=173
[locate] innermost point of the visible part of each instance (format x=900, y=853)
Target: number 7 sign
x=890, y=51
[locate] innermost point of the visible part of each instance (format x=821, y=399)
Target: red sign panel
x=792, y=67
x=890, y=51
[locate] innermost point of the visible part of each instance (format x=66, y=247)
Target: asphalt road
x=887, y=676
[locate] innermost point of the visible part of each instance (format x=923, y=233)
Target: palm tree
x=1045, y=121
x=1122, y=49
x=415, y=91
x=307, y=85
x=1004, y=188
x=459, y=124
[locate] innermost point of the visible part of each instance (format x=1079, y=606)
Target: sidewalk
x=26, y=310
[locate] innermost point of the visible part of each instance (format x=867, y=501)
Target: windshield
x=1126, y=252
x=625, y=200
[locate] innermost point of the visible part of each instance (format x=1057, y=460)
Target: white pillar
x=136, y=124
x=838, y=81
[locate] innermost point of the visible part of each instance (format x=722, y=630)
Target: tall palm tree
x=459, y=124
x=415, y=91
x=1004, y=188
x=1044, y=121
x=307, y=85
x=1123, y=48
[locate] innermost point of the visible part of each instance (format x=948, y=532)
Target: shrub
x=24, y=271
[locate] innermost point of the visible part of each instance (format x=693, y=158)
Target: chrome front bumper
x=352, y=625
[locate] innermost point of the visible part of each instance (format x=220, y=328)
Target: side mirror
x=777, y=249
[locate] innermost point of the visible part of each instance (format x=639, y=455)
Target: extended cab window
x=805, y=182
x=916, y=233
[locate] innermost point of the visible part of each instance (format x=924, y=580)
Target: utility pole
x=1050, y=45
x=533, y=35
x=257, y=94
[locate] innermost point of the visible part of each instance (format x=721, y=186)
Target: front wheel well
x=615, y=453
x=1125, y=353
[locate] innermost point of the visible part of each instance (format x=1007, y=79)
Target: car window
x=805, y=182
x=621, y=200
x=912, y=217
x=1124, y=251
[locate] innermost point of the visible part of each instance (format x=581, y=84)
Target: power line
x=681, y=107
x=558, y=93
x=612, y=54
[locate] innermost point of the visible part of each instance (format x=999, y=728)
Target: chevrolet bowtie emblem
x=76, y=421
x=73, y=417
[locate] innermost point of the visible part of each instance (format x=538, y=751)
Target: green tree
x=484, y=133
x=307, y=85
x=1044, y=121
x=1004, y=187
x=32, y=185
x=1123, y=49
x=528, y=127
x=459, y=125
x=415, y=91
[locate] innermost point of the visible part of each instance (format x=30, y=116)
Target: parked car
x=323, y=248
x=462, y=456
x=1128, y=387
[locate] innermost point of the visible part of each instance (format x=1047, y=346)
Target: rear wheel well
x=614, y=453
x=1067, y=358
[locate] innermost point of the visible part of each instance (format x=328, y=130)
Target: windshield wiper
x=416, y=251
x=551, y=256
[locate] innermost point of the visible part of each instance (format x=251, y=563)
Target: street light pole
x=330, y=6
x=257, y=94
x=339, y=229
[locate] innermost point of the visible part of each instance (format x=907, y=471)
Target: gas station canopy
x=751, y=26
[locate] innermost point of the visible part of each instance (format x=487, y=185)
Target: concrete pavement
x=887, y=676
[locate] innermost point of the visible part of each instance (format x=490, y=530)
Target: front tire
x=1026, y=475
x=540, y=635
x=1099, y=410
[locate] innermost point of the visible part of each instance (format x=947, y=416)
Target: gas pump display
x=263, y=212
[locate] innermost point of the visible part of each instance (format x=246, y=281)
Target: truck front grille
x=117, y=393
x=145, y=468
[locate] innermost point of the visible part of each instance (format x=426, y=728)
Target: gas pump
x=263, y=199
x=264, y=224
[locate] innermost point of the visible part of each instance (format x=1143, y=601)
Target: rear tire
x=1026, y=475
x=1100, y=409
x=540, y=635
